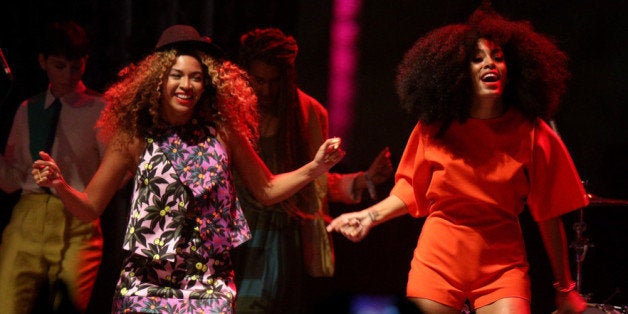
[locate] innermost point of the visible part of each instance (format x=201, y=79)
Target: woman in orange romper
x=479, y=155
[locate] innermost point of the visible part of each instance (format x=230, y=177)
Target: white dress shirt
x=76, y=148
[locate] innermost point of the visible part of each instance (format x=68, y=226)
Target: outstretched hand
x=381, y=169
x=46, y=171
x=354, y=226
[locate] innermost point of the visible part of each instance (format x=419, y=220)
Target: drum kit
x=581, y=244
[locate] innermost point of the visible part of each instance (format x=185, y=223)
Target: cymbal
x=597, y=200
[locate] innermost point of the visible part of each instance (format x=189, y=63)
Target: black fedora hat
x=185, y=36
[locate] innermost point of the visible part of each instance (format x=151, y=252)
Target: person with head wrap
x=479, y=155
x=177, y=124
x=290, y=248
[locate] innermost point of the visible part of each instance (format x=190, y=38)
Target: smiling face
x=182, y=90
x=488, y=70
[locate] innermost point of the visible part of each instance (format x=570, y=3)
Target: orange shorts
x=453, y=264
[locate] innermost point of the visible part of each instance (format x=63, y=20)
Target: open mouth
x=490, y=77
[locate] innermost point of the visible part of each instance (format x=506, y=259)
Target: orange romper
x=472, y=184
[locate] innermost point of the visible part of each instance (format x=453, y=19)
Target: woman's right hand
x=381, y=169
x=46, y=172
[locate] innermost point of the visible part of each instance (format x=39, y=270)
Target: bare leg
x=506, y=306
x=433, y=307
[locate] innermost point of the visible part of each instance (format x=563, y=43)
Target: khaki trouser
x=44, y=244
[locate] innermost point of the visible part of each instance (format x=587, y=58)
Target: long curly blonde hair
x=134, y=101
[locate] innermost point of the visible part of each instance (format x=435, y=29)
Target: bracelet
x=372, y=216
x=370, y=186
x=559, y=288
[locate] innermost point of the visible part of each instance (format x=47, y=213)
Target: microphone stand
x=581, y=245
x=9, y=77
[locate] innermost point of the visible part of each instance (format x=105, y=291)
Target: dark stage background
x=591, y=121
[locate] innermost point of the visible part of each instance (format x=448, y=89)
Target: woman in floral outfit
x=181, y=120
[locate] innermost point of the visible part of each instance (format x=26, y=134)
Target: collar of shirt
x=68, y=98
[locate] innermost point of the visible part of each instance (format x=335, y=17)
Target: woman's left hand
x=329, y=153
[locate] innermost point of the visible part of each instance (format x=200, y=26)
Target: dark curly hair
x=433, y=80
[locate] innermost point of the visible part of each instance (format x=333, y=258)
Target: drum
x=597, y=308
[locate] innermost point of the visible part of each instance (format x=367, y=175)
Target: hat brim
x=205, y=46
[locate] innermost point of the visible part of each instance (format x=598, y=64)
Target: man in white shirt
x=44, y=246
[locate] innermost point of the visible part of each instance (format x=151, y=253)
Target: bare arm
x=114, y=170
x=553, y=234
x=356, y=225
x=269, y=188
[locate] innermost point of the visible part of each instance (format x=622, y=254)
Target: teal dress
x=269, y=268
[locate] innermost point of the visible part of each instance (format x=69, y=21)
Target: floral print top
x=184, y=179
